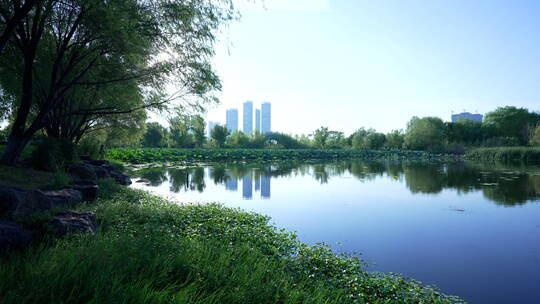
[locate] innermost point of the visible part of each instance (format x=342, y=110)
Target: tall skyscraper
x=266, y=117
x=232, y=120
x=248, y=117
x=211, y=125
x=258, y=120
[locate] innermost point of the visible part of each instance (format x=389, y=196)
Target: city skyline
x=262, y=116
x=370, y=60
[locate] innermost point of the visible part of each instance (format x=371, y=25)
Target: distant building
x=258, y=120
x=232, y=120
x=248, y=117
x=467, y=115
x=266, y=118
x=211, y=125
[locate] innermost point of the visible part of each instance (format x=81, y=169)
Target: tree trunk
x=14, y=148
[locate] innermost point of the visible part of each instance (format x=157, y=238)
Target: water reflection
x=501, y=184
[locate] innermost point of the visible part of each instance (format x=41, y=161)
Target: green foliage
x=506, y=154
x=240, y=140
x=367, y=139
x=286, y=141
x=59, y=180
x=425, y=133
x=182, y=156
x=395, y=140
x=90, y=146
x=153, y=251
x=219, y=135
x=327, y=139
x=535, y=136
x=54, y=154
x=156, y=135
x=512, y=122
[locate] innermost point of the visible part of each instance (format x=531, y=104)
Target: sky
x=348, y=64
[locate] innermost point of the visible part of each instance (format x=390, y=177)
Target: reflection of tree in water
x=367, y=170
x=424, y=177
x=504, y=185
x=462, y=177
x=320, y=173
x=219, y=175
x=510, y=192
x=155, y=177
x=188, y=179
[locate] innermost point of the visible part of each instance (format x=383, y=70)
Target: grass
x=32, y=179
x=182, y=156
x=152, y=251
x=522, y=154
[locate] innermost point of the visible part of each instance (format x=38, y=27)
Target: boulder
x=121, y=178
x=74, y=221
x=101, y=172
x=89, y=190
x=98, y=162
x=82, y=172
x=64, y=197
x=17, y=202
x=12, y=236
x=85, y=157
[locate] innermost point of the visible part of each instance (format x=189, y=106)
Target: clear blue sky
x=352, y=63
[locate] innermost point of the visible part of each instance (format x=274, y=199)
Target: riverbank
x=505, y=154
x=186, y=156
x=153, y=251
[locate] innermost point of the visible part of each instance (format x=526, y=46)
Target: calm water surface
x=472, y=230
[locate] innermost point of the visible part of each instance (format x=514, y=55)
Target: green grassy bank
x=170, y=155
x=149, y=250
x=506, y=154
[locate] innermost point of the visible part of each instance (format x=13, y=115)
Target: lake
x=471, y=229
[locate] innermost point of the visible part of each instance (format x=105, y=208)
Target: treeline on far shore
x=504, y=127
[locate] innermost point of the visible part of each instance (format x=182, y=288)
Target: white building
x=266, y=118
x=248, y=117
x=232, y=120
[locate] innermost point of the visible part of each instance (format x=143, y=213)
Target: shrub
x=91, y=147
x=53, y=154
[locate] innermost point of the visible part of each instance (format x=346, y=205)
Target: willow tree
x=69, y=59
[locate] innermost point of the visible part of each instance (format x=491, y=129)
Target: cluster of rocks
x=17, y=203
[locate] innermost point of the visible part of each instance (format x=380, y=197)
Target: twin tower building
x=262, y=116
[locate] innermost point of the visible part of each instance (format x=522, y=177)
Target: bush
x=90, y=147
x=53, y=154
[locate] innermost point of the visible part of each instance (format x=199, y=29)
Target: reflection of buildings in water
x=247, y=186
x=265, y=186
x=262, y=184
x=231, y=184
x=257, y=182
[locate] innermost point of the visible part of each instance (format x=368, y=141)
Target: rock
x=17, y=202
x=12, y=236
x=82, y=172
x=101, y=172
x=121, y=178
x=65, y=197
x=74, y=221
x=98, y=162
x=89, y=190
x=143, y=181
x=85, y=157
